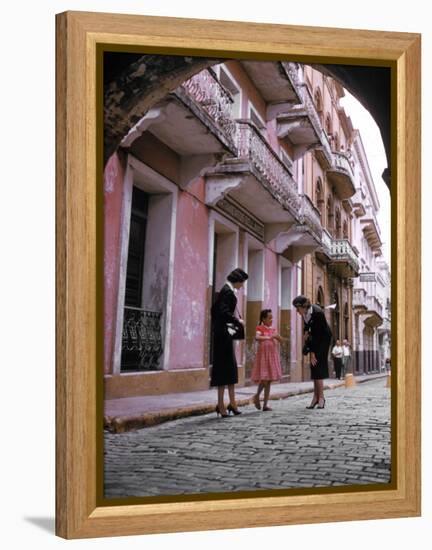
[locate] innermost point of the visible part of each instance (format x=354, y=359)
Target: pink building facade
x=211, y=178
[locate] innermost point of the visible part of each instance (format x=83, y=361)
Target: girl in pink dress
x=267, y=366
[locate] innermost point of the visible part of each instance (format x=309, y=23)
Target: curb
x=122, y=424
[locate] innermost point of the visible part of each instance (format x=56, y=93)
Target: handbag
x=237, y=332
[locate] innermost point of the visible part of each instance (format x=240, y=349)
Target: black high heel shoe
x=219, y=413
x=313, y=405
x=321, y=406
x=231, y=409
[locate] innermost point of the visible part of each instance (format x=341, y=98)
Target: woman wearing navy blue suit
x=317, y=343
x=224, y=369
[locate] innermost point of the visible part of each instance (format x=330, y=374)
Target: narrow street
x=290, y=447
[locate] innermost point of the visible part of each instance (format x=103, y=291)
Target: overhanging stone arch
x=133, y=83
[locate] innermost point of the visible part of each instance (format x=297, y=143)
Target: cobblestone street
x=346, y=443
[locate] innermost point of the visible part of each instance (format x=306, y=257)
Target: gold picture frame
x=78, y=388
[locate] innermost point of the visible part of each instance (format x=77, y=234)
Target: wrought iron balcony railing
x=273, y=173
x=142, y=339
x=310, y=216
x=207, y=92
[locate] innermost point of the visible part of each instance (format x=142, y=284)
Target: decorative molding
x=242, y=217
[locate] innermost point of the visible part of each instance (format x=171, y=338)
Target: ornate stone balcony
x=301, y=122
x=341, y=176
x=371, y=233
x=374, y=313
x=272, y=172
x=206, y=92
x=302, y=237
x=359, y=299
x=310, y=217
x=194, y=121
x=324, y=251
x=339, y=255
x=367, y=306
x=359, y=209
x=256, y=179
x=344, y=259
x=271, y=80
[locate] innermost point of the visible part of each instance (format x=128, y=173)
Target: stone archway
x=135, y=82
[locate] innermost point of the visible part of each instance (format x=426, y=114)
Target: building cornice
x=361, y=155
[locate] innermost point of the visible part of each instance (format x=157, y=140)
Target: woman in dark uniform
x=316, y=342
x=224, y=370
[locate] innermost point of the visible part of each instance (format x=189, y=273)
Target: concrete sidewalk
x=130, y=413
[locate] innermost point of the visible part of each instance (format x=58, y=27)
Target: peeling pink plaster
x=113, y=192
x=188, y=321
x=197, y=189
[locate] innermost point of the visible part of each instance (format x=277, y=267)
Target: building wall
x=189, y=317
x=199, y=230
x=113, y=200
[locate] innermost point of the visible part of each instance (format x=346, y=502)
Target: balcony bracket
x=193, y=166
x=276, y=109
x=218, y=185
x=156, y=114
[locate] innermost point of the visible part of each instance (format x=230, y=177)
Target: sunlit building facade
x=246, y=164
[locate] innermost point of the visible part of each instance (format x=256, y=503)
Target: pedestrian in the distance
x=225, y=321
x=337, y=354
x=346, y=359
x=267, y=367
x=317, y=344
